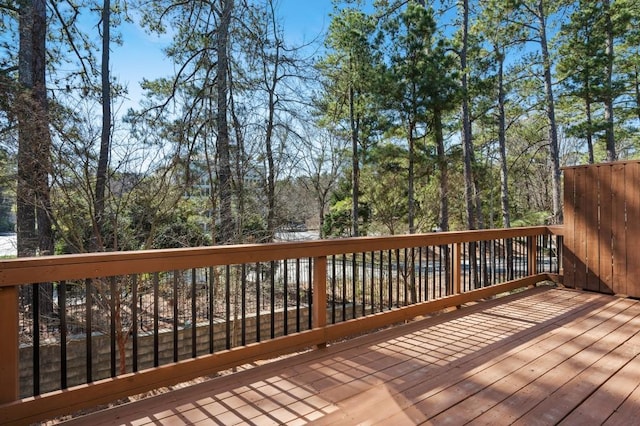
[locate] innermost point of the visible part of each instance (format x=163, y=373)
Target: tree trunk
x=467, y=143
x=504, y=174
x=444, y=172
x=502, y=142
x=34, y=141
x=271, y=169
x=240, y=169
x=411, y=178
x=33, y=205
x=105, y=137
x=589, y=131
x=609, y=95
x=355, y=164
x=27, y=128
x=554, y=152
x=227, y=225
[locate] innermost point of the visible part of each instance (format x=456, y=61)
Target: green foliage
x=180, y=231
x=338, y=222
x=384, y=187
x=351, y=72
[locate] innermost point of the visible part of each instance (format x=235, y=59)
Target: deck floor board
x=542, y=356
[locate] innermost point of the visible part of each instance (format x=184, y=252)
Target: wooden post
x=320, y=294
x=457, y=268
x=532, y=255
x=9, y=355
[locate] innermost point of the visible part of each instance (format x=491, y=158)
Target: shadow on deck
x=543, y=356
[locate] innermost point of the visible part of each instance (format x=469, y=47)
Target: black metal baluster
x=364, y=283
x=344, y=287
x=499, y=270
x=373, y=283
x=227, y=304
x=212, y=299
x=502, y=261
x=517, y=249
x=432, y=261
x=381, y=280
x=493, y=276
x=441, y=270
x=62, y=312
x=243, y=302
x=35, y=294
x=333, y=289
x=258, y=296
x=298, y=295
x=419, y=283
x=542, y=244
x=112, y=317
x=89, y=330
x=194, y=311
x=491, y=265
x=389, y=262
x=285, y=298
x=273, y=299
x=406, y=276
x=482, y=264
x=525, y=258
x=134, y=321
x=175, y=316
x=156, y=313
x=310, y=291
x=437, y=271
x=354, y=274
x=397, y=255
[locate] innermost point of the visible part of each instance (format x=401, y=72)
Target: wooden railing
x=229, y=305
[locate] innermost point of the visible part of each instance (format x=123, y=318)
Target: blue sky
x=141, y=56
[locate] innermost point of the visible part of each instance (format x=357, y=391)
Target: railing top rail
x=22, y=271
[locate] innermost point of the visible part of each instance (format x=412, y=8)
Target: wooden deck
x=544, y=356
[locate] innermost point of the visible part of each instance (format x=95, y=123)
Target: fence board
x=605, y=201
x=618, y=228
x=580, y=237
x=591, y=228
x=569, y=257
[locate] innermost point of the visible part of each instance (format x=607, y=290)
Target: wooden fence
x=601, y=228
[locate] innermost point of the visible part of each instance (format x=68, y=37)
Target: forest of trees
x=404, y=116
